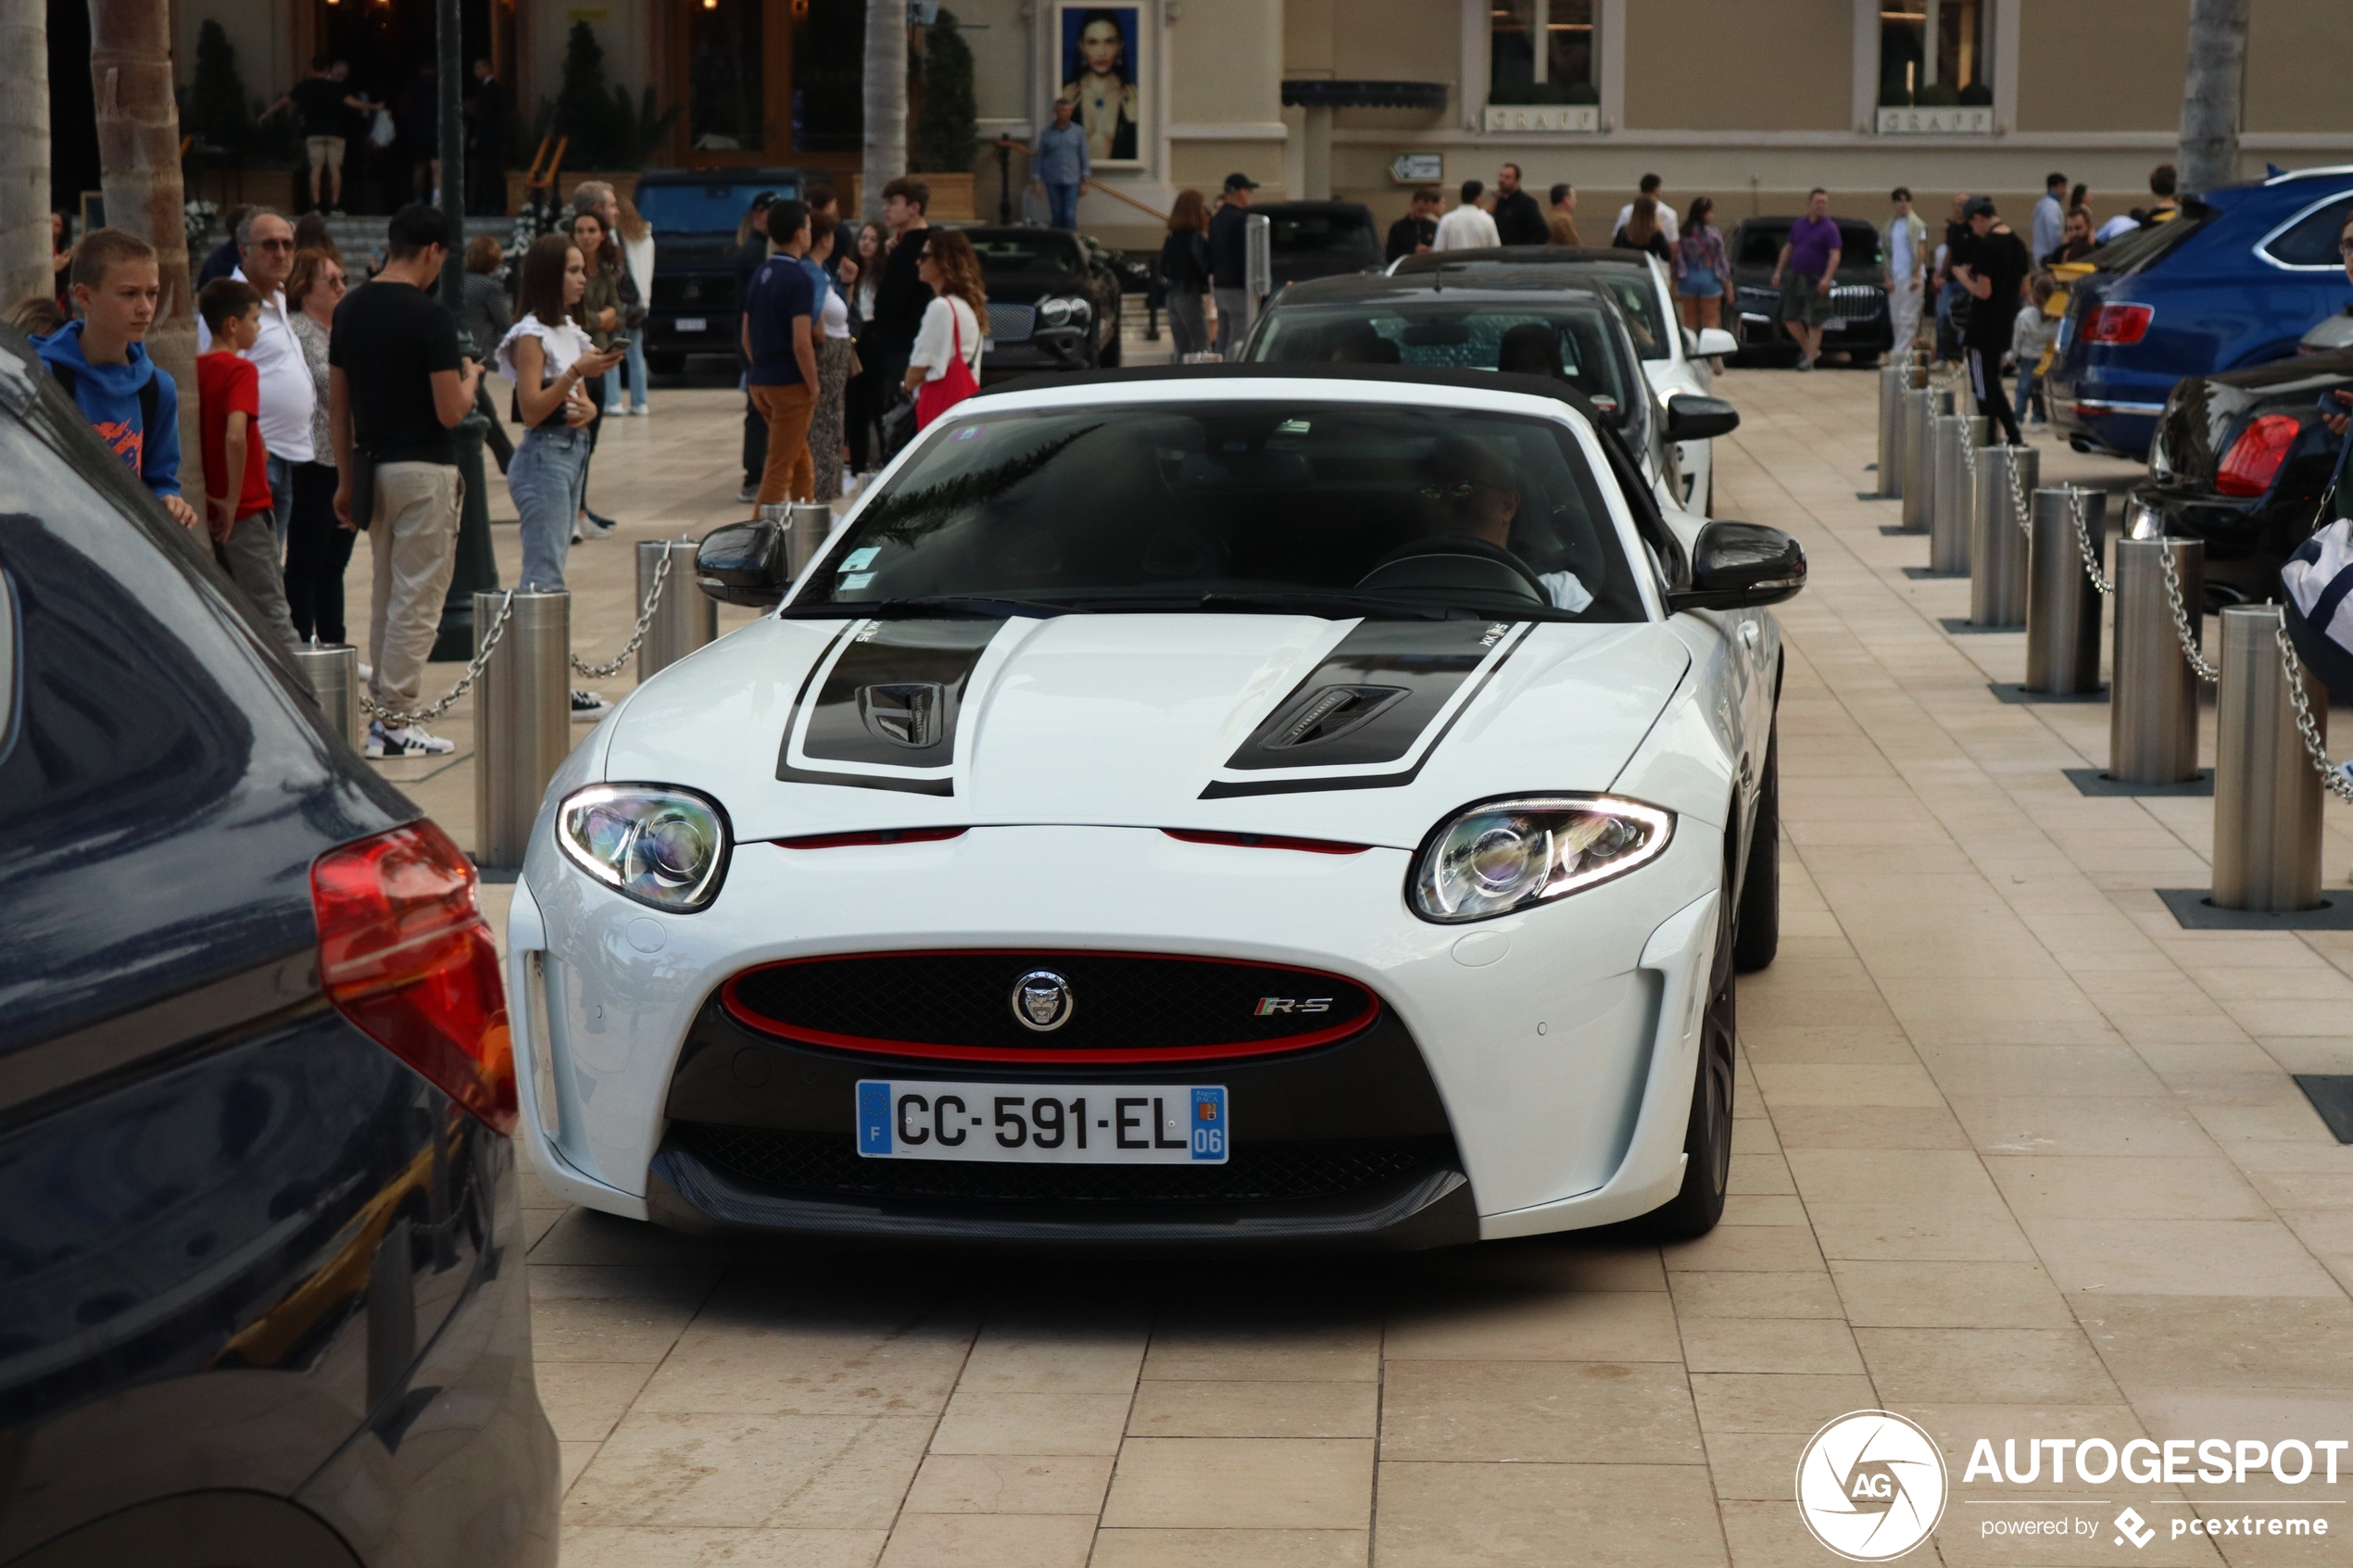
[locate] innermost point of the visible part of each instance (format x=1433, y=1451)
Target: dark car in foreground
x=2234, y=282
x=2241, y=460
x=1859, y=325
x=694, y=214
x=1318, y=239
x=262, y=1282
x=1053, y=301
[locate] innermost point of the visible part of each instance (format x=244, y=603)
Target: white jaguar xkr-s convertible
x=1268, y=803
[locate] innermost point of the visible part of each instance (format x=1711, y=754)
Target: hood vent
x=1327, y=714
x=903, y=712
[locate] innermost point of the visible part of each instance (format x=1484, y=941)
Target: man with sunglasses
x=265, y=255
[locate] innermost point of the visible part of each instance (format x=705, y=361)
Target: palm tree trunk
x=886, y=153
x=139, y=173
x=2211, y=88
x=24, y=153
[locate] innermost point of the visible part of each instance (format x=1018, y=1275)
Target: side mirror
x=1691, y=418
x=744, y=563
x=1741, y=566
x=1715, y=342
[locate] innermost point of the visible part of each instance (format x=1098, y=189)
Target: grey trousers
x=413, y=536
x=1233, y=319
x=1187, y=325
x=250, y=558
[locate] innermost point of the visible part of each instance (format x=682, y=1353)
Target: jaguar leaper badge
x=1043, y=1000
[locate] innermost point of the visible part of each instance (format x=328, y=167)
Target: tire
x=1708, y=1137
x=665, y=364
x=1756, y=925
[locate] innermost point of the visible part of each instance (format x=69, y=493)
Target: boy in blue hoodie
x=102, y=362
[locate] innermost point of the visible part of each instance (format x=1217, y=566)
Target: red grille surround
x=1127, y=1008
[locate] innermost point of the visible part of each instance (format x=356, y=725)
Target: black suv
x=694, y=214
x=261, y=1282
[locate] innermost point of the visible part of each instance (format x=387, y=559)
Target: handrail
x=1093, y=184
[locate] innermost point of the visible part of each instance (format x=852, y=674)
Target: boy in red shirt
x=236, y=466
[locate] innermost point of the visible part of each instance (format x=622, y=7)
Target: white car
x=1242, y=803
x=1678, y=360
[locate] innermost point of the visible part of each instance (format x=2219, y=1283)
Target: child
x=101, y=363
x=236, y=466
x=2031, y=341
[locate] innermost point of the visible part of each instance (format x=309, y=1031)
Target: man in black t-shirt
x=1993, y=277
x=901, y=294
x=1950, y=296
x=324, y=105
x=1518, y=220
x=1229, y=262
x=397, y=385
x=1417, y=230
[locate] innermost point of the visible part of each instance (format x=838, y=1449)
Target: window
x=724, y=56
x=1541, y=52
x=828, y=76
x=1956, y=69
x=2310, y=240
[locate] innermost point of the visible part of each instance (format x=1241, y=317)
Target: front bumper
x=1046, y=349
x=1555, y=1048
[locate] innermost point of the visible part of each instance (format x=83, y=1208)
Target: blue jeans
x=281, y=475
x=1062, y=202
x=2028, y=381
x=548, y=478
x=634, y=340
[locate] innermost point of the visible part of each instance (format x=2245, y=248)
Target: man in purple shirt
x=1809, y=264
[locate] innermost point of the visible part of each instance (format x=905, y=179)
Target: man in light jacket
x=1902, y=241
x=1469, y=226
x=1058, y=161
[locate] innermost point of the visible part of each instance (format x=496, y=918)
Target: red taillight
x=405, y=955
x=1268, y=841
x=2117, y=323
x=2254, y=457
x=880, y=835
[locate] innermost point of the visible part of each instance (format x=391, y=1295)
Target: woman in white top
x=835, y=355
x=636, y=237
x=549, y=355
x=955, y=320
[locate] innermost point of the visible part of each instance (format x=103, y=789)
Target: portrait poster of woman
x=1101, y=78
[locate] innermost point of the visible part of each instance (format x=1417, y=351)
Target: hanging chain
x=638, y=633
x=2205, y=672
x=2315, y=743
x=394, y=718
x=2018, y=498
x=2084, y=542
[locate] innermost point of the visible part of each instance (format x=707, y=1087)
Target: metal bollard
x=685, y=619
x=2062, y=607
x=805, y=534
x=1912, y=455
x=1894, y=379
x=523, y=721
x=2267, y=798
x=1956, y=437
x=1997, y=545
x=2152, y=709
x=333, y=670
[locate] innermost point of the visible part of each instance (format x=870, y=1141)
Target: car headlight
x=1053, y=312
x=1504, y=855
x=661, y=845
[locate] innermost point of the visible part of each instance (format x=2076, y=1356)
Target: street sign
x=1417, y=169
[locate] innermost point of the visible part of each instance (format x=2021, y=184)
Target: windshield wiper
x=979, y=605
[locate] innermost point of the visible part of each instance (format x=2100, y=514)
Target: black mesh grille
x=1119, y=1001
x=1270, y=1173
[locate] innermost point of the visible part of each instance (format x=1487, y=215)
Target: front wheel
x=1707, y=1137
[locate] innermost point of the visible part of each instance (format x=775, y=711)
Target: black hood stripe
x=891, y=702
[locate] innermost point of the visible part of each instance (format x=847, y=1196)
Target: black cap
x=1240, y=182
x=1979, y=205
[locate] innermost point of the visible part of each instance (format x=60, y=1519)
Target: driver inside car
x=1473, y=498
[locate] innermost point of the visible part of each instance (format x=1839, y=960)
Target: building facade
x=1751, y=102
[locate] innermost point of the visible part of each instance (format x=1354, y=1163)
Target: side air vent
x=1328, y=713
x=904, y=713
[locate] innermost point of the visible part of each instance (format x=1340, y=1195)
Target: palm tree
x=885, y=152
x=139, y=174
x=2211, y=92
x=24, y=152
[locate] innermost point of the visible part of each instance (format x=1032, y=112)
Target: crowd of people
x=334, y=118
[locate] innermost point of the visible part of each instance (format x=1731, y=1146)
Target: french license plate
x=1043, y=1124
x=693, y=324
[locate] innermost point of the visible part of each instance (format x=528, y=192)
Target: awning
x=1319, y=93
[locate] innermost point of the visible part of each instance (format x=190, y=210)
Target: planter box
x=1544, y=117
x=1957, y=120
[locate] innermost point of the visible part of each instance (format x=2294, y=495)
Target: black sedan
x=1053, y=301
x=1859, y=326
x=1318, y=239
x=2240, y=459
x=261, y=1284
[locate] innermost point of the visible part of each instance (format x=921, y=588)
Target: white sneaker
x=410, y=740
x=588, y=707
x=748, y=494
x=367, y=672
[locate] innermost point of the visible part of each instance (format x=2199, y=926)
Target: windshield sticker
x=857, y=579
x=860, y=560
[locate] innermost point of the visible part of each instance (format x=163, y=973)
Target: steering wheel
x=1450, y=565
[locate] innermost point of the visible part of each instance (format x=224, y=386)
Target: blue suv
x=2234, y=282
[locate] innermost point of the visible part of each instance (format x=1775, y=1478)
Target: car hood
x=1024, y=288
x=1366, y=732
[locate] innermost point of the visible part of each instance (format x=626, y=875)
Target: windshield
x=1465, y=335
x=1636, y=297
x=713, y=208
x=1323, y=233
x=1002, y=251
x=1337, y=510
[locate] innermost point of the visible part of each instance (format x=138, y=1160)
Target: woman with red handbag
x=944, y=369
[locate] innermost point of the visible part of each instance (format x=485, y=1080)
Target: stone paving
x=2016, y=1156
